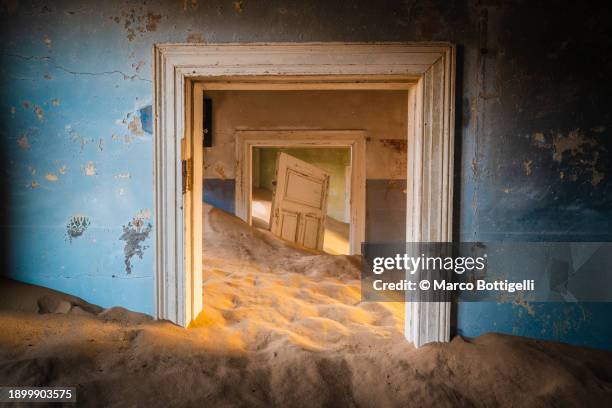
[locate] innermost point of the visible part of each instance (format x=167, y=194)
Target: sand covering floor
x=281, y=327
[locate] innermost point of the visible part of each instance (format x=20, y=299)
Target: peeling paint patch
x=34, y=184
x=90, y=169
x=123, y=176
x=137, y=21
x=144, y=214
x=238, y=5
x=576, y=154
x=76, y=226
x=134, y=234
x=138, y=66
x=62, y=170
x=574, y=143
x=539, y=138
x=135, y=126
x=40, y=114
x=125, y=138
x=55, y=102
x=527, y=167
x=24, y=143
x=596, y=178
x=77, y=138
x=51, y=177
x=48, y=42
x=138, y=122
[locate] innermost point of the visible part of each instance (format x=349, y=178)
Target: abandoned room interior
x=195, y=196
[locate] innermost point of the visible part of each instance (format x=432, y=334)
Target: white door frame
x=355, y=140
x=430, y=66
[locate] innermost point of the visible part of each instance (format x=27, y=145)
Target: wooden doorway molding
x=427, y=70
x=355, y=140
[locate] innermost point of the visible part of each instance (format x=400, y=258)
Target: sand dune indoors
x=281, y=327
x=272, y=293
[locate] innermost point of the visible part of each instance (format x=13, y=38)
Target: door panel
x=302, y=189
x=289, y=225
x=300, y=202
x=311, y=231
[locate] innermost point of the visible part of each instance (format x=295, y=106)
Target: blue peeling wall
x=533, y=131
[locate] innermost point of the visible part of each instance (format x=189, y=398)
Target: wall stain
x=24, y=143
x=152, y=21
x=195, y=38
x=220, y=171
x=194, y=4
x=76, y=226
x=134, y=234
x=399, y=145
x=136, y=21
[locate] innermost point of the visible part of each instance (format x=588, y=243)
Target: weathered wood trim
x=353, y=139
x=430, y=188
x=430, y=147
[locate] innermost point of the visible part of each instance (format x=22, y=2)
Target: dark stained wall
x=533, y=131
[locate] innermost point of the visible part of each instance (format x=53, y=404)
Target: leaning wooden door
x=299, y=205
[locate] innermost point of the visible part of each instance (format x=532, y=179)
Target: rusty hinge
x=187, y=169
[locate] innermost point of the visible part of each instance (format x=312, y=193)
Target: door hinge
x=187, y=169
